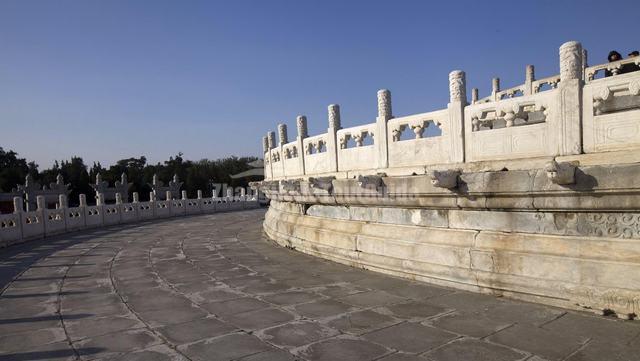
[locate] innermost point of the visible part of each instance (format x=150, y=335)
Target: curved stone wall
x=513, y=233
x=567, y=271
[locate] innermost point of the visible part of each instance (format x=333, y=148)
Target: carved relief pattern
x=271, y=136
x=384, y=104
x=334, y=116
x=617, y=225
x=282, y=132
x=457, y=86
x=570, y=60
x=301, y=123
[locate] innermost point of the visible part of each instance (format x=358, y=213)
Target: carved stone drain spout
x=371, y=181
x=561, y=173
x=324, y=183
x=445, y=178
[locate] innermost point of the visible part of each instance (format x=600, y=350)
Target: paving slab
x=194, y=291
x=410, y=337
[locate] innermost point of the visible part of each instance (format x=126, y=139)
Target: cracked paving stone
x=231, y=307
x=297, y=334
x=291, y=298
x=323, y=308
x=371, y=299
x=196, y=330
x=362, y=321
x=343, y=349
x=470, y=349
x=548, y=344
x=256, y=320
x=224, y=348
x=410, y=337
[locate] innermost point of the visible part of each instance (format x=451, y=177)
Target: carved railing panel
x=611, y=113
x=353, y=152
x=316, y=157
x=517, y=127
x=428, y=141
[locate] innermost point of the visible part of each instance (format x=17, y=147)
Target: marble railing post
x=136, y=197
x=301, y=124
x=184, y=195
x=528, y=80
x=62, y=201
x=18, y=205
x=168, y=196
x=332, y=136
x=100, y=199
x=570, y=92
x=380, y=140
x=41, y=206
x=199, y=194
x=82, y=200
x=271, y=142
x=474, y=95
x=495, y=88
x=282, y=134
x=152, y=197
x=118, y=198
x=457, y=102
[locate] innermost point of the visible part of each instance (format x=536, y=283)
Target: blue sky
x=106, y=80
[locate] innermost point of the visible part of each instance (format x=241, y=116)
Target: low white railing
x=21, y=226
x=565, y=114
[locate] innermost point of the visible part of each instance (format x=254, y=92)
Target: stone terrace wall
x=532, y=192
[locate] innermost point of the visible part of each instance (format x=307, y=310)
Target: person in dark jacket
x=613, y=56
x=631, y=67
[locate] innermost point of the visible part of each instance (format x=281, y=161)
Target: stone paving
x=213, y=288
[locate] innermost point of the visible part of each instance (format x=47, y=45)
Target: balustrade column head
x=457, y=86
x=62, y=200
x=282, y=134
x=184, y=195
x=571, y=61
x=301, y=124
x=136, y=197
x=100, y=199
x=118, y=198
x=584, y=58
x=18, y=205
x=474, y=95
x=152, y=197
x=334, y=116
x=530, y=74
x=40, y=204
x=384, y=104
x=199, y=194
x=83, y=200
x=168, y=195
x=265, y=144
x=271, y=140
x=243, y=192
x=229, y=192
x=495, y=85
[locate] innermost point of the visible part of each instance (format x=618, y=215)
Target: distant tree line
x=196, y=175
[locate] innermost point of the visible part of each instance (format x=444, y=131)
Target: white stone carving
x=384, y=104
x=334, y=116
x=301, y=123
x=571, y=60
x=457, y=86
x=561, y=173
x=445, y=178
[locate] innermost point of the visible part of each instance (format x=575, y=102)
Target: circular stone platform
x=212, y=287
